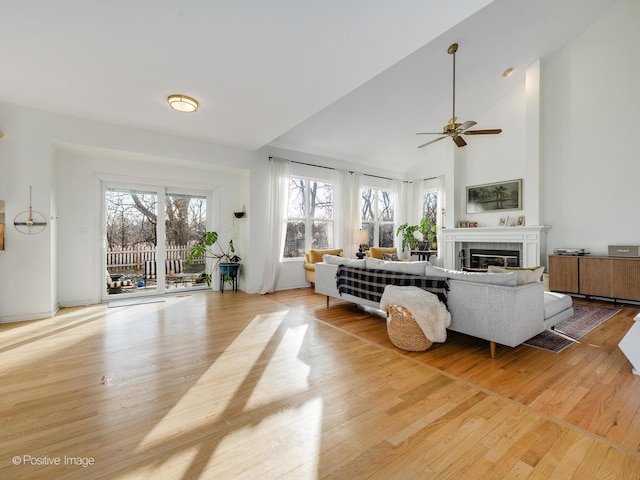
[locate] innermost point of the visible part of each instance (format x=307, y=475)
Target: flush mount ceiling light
x=182, y=103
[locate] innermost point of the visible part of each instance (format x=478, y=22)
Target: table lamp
x=361, y=237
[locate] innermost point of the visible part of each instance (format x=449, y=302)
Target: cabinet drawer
x=563, y=274
x=626, y=279
x=596, y=277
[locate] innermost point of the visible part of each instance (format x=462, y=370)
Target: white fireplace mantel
x=531, y=238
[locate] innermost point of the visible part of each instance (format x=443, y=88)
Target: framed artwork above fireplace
x=494, y=197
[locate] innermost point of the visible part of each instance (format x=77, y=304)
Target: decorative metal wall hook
x=30, y=222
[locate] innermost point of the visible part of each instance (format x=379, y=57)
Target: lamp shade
x=360, y=237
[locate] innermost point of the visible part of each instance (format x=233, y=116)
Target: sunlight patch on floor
x=215, y=391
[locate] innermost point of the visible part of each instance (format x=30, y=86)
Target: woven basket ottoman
x=404, y=331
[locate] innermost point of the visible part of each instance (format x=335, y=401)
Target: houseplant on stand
x=225, y=260
x=410, y=241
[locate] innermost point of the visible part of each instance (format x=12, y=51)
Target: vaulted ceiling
x=353, y=80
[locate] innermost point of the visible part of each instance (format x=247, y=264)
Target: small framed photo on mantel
x=504, y=222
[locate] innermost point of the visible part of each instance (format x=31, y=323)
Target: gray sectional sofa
x=491, y=306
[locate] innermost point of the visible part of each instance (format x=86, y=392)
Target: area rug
x=566, y=332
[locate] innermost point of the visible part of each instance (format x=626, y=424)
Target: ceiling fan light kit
x=453, y=129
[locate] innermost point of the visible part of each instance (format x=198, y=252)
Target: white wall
x=592, y=164
x=81, y=173
x=589, y=163
x=46, y=150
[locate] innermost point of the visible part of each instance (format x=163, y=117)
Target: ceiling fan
x=453, y=129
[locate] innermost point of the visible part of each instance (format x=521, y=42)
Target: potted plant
x=225, y=260
x=409, y=239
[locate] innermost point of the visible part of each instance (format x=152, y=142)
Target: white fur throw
x=429, y=312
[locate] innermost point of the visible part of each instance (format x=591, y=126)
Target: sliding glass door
x=148, y=235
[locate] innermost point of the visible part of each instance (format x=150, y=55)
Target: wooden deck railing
x=133, y=258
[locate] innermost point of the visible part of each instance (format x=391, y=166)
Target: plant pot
x=230, y=269
x=229, y=274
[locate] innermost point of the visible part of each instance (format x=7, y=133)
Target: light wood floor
x=230, y=385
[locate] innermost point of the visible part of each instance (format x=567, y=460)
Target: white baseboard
x=24, y=317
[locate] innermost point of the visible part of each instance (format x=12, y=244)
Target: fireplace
x=480, y=259
x=529, y=240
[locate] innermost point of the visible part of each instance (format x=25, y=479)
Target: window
x=378, y=212
x=430, y=210
x=141, y=235
x=309, y=217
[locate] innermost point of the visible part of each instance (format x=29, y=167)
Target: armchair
x=315, y=256
x=376, y=252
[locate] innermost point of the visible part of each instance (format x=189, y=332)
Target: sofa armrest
x=326, y=279
x=505, y=315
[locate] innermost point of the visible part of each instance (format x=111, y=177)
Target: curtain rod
x=351, y=171
x=333, y=168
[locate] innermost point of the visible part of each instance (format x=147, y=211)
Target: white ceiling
x=349, y=79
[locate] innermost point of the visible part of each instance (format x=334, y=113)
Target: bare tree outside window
x=131, y=221
x=131, y=218
x=378, y=216
x=312, y=230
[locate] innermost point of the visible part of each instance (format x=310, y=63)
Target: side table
x=231, y=270
x=423, y=254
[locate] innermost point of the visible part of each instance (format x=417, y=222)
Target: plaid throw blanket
x=369, y=283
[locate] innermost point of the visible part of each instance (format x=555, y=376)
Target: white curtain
x=417, y=199
x=277, y=221
x=403, y=193
x=440, y=222
x=348, y=204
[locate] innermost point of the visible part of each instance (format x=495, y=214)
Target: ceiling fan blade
x=429, y=143
x=430, y=133
x=493, y=131
x=459, y=141
x=466, y=125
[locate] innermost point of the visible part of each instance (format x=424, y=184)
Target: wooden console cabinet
x=611, y=277
x=563, y=274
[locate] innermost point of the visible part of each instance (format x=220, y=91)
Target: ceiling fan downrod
x=452, y=51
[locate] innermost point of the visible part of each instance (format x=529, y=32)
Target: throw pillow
x=337, y=260
x=413, y=268
x=524, y=275
x=390, y=256
x=505, y=279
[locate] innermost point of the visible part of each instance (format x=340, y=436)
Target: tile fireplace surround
x=530, y=240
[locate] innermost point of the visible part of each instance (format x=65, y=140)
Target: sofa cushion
x=413, y=268
x=507, y=279
x=337, y=260
x=315, y=256
x=393, y=257
x=555, y=303
x=524, y=275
